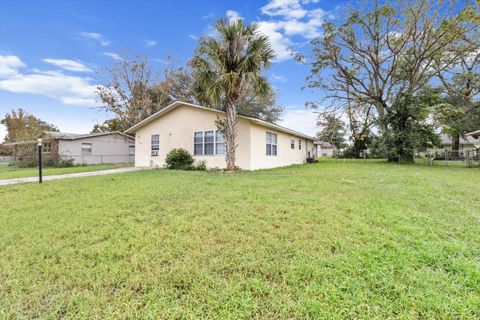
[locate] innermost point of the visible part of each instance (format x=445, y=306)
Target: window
x=155, y=144
x=198, y=143
x=47, y=147
x=271, y=144
x=131, y=150
x=219, y=143
x=208, y=143
x=86, y=149
x=299, y=144
x=292, y=143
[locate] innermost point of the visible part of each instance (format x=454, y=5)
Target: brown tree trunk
x=455, y=144
x=231, y=135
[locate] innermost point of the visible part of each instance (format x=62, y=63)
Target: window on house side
x=299, y=144
x=198, y=143
x=219, y=143
x=271, y=146
x=292, y=143
x=86, y=149
x=155, y=144
x=209, y=143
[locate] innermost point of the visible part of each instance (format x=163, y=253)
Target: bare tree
x=382, y=51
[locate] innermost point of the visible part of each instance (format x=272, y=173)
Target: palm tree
x=228, y=65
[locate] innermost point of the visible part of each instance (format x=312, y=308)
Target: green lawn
x=333, y=240
x=9, y=172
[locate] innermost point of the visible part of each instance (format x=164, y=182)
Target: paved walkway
x=70, y=175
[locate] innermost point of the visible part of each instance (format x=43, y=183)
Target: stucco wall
x=105, y=149
x=176, y=130
x=285, y=154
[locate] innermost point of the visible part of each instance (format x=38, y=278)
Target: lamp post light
x=39, y=160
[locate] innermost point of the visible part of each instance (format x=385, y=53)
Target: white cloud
x=113, y=55
x=3, y=131
x=280, y=44
x=208, y=16
x=300, y=119
x=278, y=78
x=68, y=89
x=70, y=65
x=9, y=66
x=289, y=18
x=288, y=8
x=233, y=15
x=194, y=37
x=150, y=43
x=96, y=37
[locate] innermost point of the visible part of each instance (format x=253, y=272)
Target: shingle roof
x=446, y=139
x=176, y=104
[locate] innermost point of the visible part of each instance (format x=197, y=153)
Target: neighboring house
x=324, y=149
x=93, y=148
x=467, y=143
x=260, y=144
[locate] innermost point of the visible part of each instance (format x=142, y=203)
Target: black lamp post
x=39, y=160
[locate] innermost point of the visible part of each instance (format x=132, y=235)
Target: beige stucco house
x=192, y=127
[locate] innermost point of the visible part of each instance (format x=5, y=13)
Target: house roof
x=475, y=134
x=177, y=104
x=323, y=144
x=446, y=139
x=68, y=136
x=76, y=136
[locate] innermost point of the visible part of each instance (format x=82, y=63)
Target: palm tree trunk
x=231, y=134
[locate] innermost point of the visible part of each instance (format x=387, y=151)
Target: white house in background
x=466, y=143
x=192, y=127
x=92, y=148
x=324, y=149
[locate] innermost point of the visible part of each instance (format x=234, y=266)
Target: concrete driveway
x=71, y=175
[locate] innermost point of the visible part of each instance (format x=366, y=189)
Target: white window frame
x=203, y=143
x=154, y=146
x=271, y=143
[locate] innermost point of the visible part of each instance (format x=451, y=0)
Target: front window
x=271, y=144
x=86, y=149
x=219, y=143
x=299, y=144
x=208, y=143
x=155, y=144
x=198, y=143
x=292, y=143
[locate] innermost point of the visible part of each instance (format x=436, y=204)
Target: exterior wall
x=285, y=154
x=113, y=148
x=462, y=146
x=176, y=129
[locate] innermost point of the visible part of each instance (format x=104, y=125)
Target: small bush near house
x=179, y=159
x=64, y=163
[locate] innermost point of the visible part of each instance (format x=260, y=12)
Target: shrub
x=179, y=159
x=65, y=163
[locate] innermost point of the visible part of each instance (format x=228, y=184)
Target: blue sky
x=50, y=51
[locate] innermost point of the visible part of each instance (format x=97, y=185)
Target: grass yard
x=9, y=172
x=333, y=240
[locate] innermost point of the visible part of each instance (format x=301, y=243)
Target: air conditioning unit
x=154, y=152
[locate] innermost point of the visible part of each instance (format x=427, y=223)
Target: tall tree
x=461, y=85
x=131, y=90
x=227, y=67
x=385, y=51
x=22, y=126
x=332, y=129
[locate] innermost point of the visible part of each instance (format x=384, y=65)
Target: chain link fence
x=69, y=160
x=453, y=158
